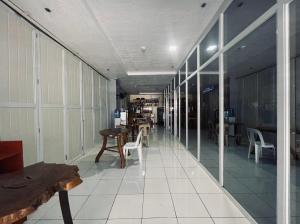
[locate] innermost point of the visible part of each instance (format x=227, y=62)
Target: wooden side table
x=121, y=134
x=22, y=192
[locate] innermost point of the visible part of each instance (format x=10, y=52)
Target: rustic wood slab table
x=121, y=134
x=23, y=191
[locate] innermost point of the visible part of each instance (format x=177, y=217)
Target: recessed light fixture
x=203, y=5
x=173, y=48
x=211, y=48
x=143, y=49
x=47, y=10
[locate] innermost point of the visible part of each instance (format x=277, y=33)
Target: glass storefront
x=252, y=83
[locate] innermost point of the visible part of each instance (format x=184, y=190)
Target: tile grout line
x=195, y=189
x=170, y=189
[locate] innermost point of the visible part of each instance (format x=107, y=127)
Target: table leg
x=102, y=149
x=120, y=148
x=65, y=207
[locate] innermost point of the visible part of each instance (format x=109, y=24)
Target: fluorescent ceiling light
x=211, y=48
x=173, y=48
x=156, y=93
x=151, y=73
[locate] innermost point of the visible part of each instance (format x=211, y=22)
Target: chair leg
x=257, y=152
x=139, y=149
x=249, y=151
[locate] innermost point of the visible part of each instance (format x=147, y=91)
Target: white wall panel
x=43, y=86
x=103, y=103
x=53, y=135
x=52, y=112
x=96, y=90
x=97, y=126
x=17, y=83
x=74, y=124
x=88, y=129
x=72, y=70
x=96, y=107
x=87, y=79
x=51, y=79
x=73, y=105
x=18, y=124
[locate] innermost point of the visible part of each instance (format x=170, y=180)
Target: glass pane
x=192, y=62
x=210, y=44
x=192, y=115
x=250, y=122
x=182, y=73
x=178, y=111
x=172, y=111
x=176, y=80
x=209, y=106
x=295, y=110
x=183, y=114
x=240, y=14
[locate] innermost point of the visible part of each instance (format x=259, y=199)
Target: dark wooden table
x=22, y=192
x=122, y=135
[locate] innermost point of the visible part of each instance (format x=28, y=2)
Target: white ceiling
x=109, y=34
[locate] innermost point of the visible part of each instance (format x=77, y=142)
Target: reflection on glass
x=172, y=111
x=192, y=115
x=210, y=44
x=182, y=73
x=178, y=110
x=240, y=14
x=176, y=80
x=183, y=114
x=250, y=126
x=209, y=106
x=295, y=110
x=170, y=107
x=192, y=62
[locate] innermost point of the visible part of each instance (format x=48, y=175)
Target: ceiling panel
x=136, y=84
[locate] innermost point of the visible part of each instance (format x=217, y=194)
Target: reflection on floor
x=170, y=187
x=252, y=185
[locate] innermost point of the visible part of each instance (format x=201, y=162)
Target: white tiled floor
x=169, y=188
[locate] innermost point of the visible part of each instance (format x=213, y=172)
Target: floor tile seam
x=198, y=194
x=174, y=209
x=115, y=196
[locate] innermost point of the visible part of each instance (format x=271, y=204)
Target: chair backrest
x=252, y=133
x=139, y=138
x=145, y=128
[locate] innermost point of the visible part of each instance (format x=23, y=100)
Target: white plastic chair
x=134, y=145
x=259, y=145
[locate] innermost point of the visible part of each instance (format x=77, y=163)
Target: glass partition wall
x=295, y=110
x=183, y=114
x=193, y=115
x=238, y=106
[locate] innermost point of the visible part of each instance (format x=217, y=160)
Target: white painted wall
x=51, y=100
